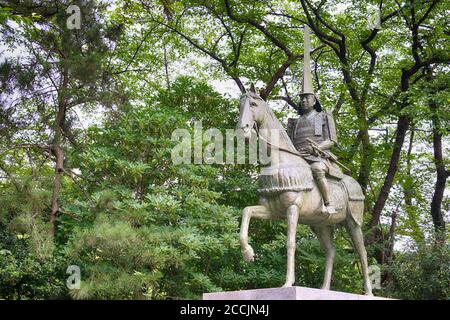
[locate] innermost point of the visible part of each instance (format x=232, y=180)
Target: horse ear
x=252, y=88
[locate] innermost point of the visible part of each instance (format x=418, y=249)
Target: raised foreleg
x=259, y=212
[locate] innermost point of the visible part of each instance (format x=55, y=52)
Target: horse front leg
x=292, y=219
x=260, y=212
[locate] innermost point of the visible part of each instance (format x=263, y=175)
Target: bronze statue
x=288, y=190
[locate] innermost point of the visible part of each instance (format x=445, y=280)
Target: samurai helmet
x=307, y=85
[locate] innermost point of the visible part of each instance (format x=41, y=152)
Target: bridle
x=273, y=145
x=255, y=127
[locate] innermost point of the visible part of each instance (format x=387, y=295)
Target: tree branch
x=261, y=28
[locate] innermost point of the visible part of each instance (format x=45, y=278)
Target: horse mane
x=285, y=138
x=277, y=124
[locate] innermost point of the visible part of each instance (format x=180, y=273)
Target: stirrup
x=328, y=209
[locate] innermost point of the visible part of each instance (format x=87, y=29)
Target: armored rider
x=318, y=127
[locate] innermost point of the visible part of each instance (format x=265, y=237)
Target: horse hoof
x=369, y=294
x=248, y=254
x=288, y=284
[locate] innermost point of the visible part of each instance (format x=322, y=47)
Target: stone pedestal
x=292, y=293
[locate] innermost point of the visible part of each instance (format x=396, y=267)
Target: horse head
x=252, y=112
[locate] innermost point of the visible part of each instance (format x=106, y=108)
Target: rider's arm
x=326, y=145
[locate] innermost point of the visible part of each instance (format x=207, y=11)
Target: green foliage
x=24, y=275
x=163, y=221
x=421, y=273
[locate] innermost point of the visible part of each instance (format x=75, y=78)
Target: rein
x=272, y=145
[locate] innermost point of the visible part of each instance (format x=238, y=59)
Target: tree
x=60, y=70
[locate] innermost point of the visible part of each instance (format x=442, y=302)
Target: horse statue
x=288, y=191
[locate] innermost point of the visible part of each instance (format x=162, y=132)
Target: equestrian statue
x=303, y=182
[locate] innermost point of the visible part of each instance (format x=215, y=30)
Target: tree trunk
x=166, y=65
x=59, y=167
x=402, y=127
x=441, y=176
x=58, y=150
x=389, y=252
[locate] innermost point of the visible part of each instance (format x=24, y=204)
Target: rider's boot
x=322, y=183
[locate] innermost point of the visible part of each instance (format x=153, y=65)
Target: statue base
x=291, y=293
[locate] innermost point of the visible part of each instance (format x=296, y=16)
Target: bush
x=25, y=276
x=423, y=273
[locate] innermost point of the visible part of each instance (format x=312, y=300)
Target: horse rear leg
x=292, y=219
x=325, y=236
x=260, y=212
x=358, y=242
